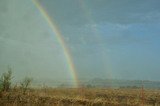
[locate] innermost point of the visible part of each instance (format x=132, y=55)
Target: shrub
x=0, y=85
x=5, y=81
x=25, y=84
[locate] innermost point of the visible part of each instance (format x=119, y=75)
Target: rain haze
x=103, y=39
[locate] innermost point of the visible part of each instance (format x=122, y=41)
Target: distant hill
x=98, y=82
x=116, y=83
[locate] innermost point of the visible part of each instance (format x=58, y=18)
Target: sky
x=107, y=39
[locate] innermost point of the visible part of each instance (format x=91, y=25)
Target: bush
x=25, y=84
x=5, y=81
x=0, y=85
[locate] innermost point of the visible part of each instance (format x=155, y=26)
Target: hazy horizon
x=106, y=39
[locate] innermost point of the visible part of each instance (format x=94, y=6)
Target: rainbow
x=90, y=19
x=60, y=38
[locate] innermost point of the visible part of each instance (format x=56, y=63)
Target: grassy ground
x=80, y=97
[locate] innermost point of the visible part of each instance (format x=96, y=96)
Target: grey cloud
x=113, y=34
x=72, y=12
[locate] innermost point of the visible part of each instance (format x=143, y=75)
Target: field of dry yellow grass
x=80, y=97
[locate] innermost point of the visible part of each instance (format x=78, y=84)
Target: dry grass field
x=80, y=97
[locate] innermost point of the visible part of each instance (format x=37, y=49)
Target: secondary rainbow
x=60, y=38
x=95, y=30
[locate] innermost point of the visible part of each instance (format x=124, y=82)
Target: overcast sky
x=107, y=38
